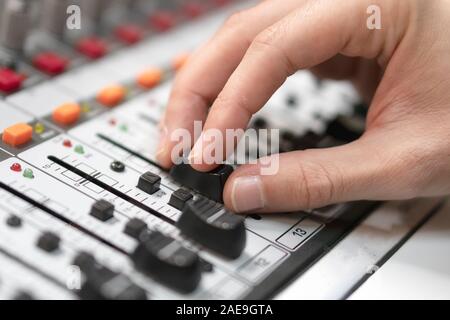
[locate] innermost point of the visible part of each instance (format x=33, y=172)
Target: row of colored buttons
x=94, y=47
x=69, y=113
x=110, y=96
x=129, y=34
x=47, y=62
x=91, y=47
x=161, y=20
x=52, y=63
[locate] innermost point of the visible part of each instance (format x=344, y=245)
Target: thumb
x=371, y=168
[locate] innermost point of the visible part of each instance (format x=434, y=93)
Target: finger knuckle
x=225, y=101
x=270, y=41
x=317, y=185
x=267, y=38
x=183, y=99
x=236, y=21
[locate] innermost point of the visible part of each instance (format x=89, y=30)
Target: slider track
x=107, y=187
x=59, y=216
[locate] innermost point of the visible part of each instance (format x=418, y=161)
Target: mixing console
x=85, y=210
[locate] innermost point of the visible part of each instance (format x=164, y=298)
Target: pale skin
x=402, y=70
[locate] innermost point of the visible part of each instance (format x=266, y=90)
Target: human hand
x=402, y=69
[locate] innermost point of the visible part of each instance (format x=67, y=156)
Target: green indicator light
x=79, y=149
x=28, y=173
x=123, y=127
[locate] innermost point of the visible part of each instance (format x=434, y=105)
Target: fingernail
x=247, y=194
x=163, y=132
x=196, y=154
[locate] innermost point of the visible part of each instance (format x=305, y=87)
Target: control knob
x=209, y=184
x=167, y=261
x=213, y=226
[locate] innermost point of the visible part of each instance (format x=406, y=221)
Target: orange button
x=112, y=95
x=17, y=134
x=150, y=78
x=179, y=61
x=67, y=114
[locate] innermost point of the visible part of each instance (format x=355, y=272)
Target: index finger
x=307, y=37
x=206, y=72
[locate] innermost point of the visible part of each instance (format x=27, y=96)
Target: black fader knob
x=49, y=241
x=167, y=261
x=135, y=227
x=101, y=283
x=149, y=182
x=209, y=184
x=211, y=225
x=179, y=198
x=102, y=210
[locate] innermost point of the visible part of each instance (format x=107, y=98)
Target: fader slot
x=153, y=272
x=107, y=187
x=55, y=214
x=148, y=256
x=89, y=161
x=62, y=261
x=76, y=207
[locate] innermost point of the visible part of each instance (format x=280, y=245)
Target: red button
x=92, y=47
x=162, y=20
x=193, y=9
x=129, y=33
x=16, y=167
x=9, y=80
x=67, y=143
x=50, y=63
